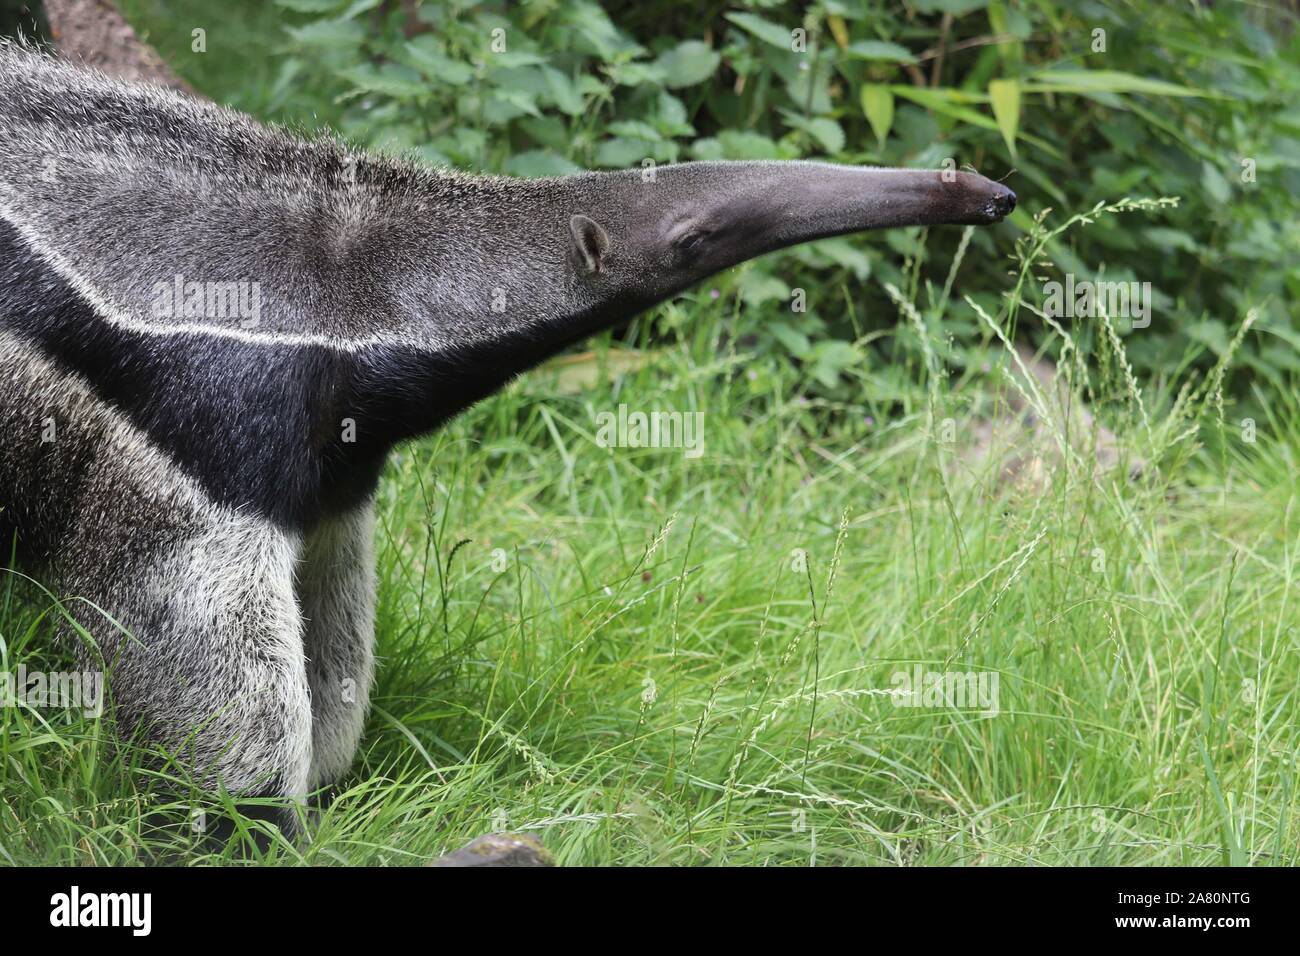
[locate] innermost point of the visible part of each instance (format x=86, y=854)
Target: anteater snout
x=1002, y=202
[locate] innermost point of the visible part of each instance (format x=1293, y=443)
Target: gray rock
x=499, y=849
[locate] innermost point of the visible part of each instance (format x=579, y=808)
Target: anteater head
x=644, y=235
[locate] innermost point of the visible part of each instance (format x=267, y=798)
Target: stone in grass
x=499, y=849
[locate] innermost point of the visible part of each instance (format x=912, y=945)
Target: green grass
x=623, y=650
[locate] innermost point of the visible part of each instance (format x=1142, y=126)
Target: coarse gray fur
x=204, y=482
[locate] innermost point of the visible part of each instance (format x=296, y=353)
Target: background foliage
x=1075, y=103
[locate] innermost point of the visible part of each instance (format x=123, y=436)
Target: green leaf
x=563, y=92
x=539, y=162
x=506, y=104
x=391, y=79
x=622, y=153
x=765, y=30
x=669, y=116
x=329, y=34
x=830, y=357
x=359, y=7
x=635, y=129
x=796, y=343
x=1106, y=81
x=825, y=131
x=636, y=74
x=1214, y=183
x=708, y=149
x=956, y=7
x=425, y=54
x=688, y=64
x=738, y=144
x=843, y=253
x=758, y=287
x=1210, y=332
x=1170, y=240
x=310, y=6
x=1005, y=97
x=942, y=101
x=511, y=59
x=879, y=50
x=549, y=131
x=839, y=30
x=878, y=105
x=594, y=32
x=430, y=154
x=949, y=103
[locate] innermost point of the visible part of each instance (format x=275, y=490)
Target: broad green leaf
x=430, y=155
x=845, y=9
x=669, y=116
x=765, y=30
x=623, y=153
x=758, y=287
x=549, y=131
x=425, y=55
x=844, y=253
x=529, y=79
x=539, y=162
x=795, y=341
x=708, y=149
x=829, y=358
x=688, y=64
x=1005, y=97
x=956, y=7
x=879, y=50
x=1215, y=184
x=329, y=34
x=359, y=7
x=635, y=74
x=811, y=88
x=515, y=58
x=878, y=105
x=310, y=6
x=506, y=104
x=738, y=144
x=391, y=79
x=1210, y=332
x=594, y=31
x=634, y=129
x=1170, y=239
x=826, y=132
x=563, y=92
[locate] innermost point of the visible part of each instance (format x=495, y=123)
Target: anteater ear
x=590, y=242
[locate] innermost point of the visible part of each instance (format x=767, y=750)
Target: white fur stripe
x=111, y=314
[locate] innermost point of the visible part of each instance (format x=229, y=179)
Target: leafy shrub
x=1079, y=103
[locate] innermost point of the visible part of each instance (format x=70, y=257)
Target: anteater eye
x=690, y=242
